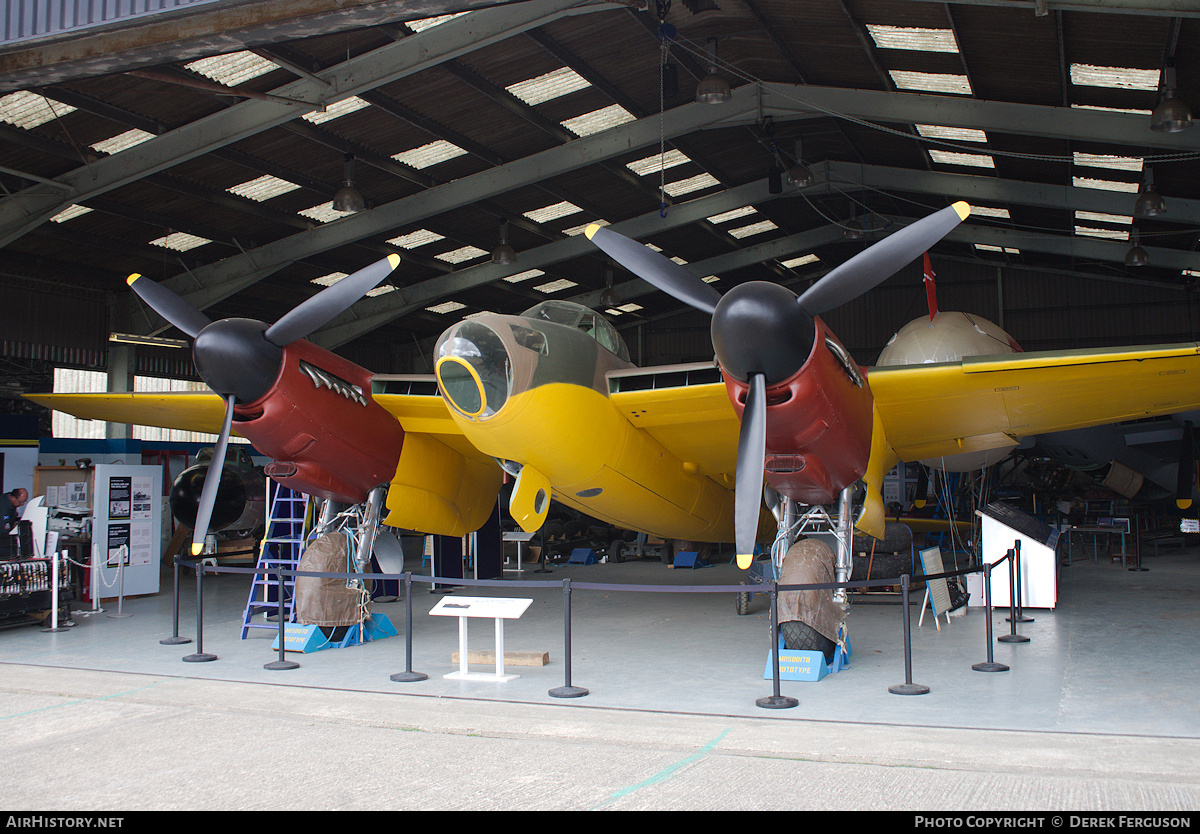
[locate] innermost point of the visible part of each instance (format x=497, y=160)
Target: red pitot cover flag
x=930, y=288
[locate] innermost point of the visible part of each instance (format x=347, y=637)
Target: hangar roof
x=204, y=152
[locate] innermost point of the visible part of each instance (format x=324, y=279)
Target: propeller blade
x=751, y=458
x=654, y=268
x=168, y=305
x=212, y=481
x=1183, y=482
x=920, y=495
x=873, y=265
x=305, y=318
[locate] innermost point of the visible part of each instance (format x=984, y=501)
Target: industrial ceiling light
x=609, y=297
x=348, y=198
x=1136, y=256
x=504, y=254
x=713, y=88
x=852, y=229
x=799, y=175
x=1149, y=202
x=1171, y=115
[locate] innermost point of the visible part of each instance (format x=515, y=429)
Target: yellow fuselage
x=601, y=465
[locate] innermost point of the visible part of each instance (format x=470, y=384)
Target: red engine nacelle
x=818, y=423
x=319, y=424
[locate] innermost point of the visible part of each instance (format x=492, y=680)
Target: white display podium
x=498, y=609
x=1002, y=527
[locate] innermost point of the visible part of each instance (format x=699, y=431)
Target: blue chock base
x=582, y=556
x=299, y=637
x=795, y=665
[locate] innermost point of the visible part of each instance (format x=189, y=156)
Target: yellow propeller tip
x=744, y=560
x=1183, y=503
x=394, y=260
x=197, y=549
x=591, y=229
x=133, y=278
x=920, y=505
x=963, y=209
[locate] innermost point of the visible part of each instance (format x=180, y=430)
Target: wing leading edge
x=988, y=402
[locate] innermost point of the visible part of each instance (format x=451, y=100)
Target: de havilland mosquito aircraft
x=681, y=452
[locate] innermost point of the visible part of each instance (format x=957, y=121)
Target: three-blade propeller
x=239, y=358
x=762, y=333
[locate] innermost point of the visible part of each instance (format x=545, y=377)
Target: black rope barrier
x=774, y=701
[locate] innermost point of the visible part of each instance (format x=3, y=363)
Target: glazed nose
x=473, y=369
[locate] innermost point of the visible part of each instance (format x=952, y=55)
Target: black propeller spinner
x=240, y=358
x=762, y=333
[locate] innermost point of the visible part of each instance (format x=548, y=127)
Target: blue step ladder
x=281, y=547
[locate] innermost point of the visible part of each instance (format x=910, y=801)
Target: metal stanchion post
x=990, y=665
x=908, y=687
x=1012, y=636
x=775, y=700
x=281, y=663
x=567, y=690
x=200, y=656
x=122, y=555
x=1020, y=615
x=54, y=626
x=175, y=639
x=408, y=675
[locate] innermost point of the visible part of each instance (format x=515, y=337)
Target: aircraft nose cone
x=232, y=357
x=474, y=370
x=758, y=328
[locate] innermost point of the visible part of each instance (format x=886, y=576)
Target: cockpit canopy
x=581, y=318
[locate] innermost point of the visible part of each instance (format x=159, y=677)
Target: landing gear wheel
x=799, y=636
x=616, y=551
x=741, y=602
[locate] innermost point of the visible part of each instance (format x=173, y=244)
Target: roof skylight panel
x=733, y=214
x=463, y=253
x=552, y=212
x=549, y=86
x=988, y=211
x=953, y=134
x=28, y=110
x=430, y=154
x=330, y=279
x=913, y=38
x=180, y=241
x=523, y=276
x=791, y=263
x=658, y=162
x=1119, y=163
x=1102, y=217
x=952, y=158
x=598, y=120
x=1110, y=234
x=556, y=286
x=70, y=212
x=582, y=227
x=446, y=307
x=122, y=141
x=690, y=184
x=1121, y=78
x=414, y=239
x=933, y=82
x=429, y=22
x=336, y=110
x=1104, y=185
x=753, y=229
x=262, y=188
x=988, y=247
x=323, y=213
x=232, y=69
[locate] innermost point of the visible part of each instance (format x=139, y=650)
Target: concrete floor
x=1097, y=712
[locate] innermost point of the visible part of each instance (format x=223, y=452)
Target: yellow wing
x=189, y=411
x=989, y=402
x=686, y=408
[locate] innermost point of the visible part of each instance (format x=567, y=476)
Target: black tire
x=801, y=637
x=616, y=551
x=741, y=602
